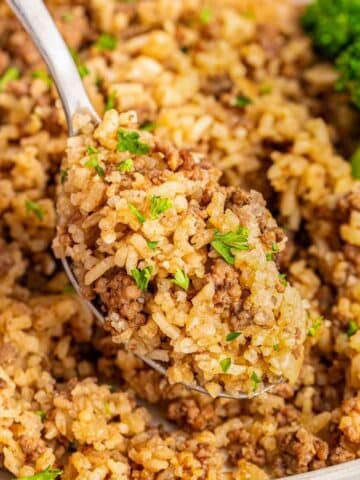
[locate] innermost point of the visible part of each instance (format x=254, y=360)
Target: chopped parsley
x=40, y=413
x=136, y=212
x=63, y=176
x=181, y=279
x=107, y=409
x=69, y=289
x=47, y=474
x=82, y=68
x=10, y=74
x=33, y=207
x=110, y=101
x=276, y=347
x=125, y=166
x=142, y=277
x=353, y=327
x=242, y=101
x=223, y=243
x=106, y=42
x=225, y=364
x=148, y=126
x=67, y=17
x=129, y=142
x=232, y=336
x=282, y=278
x=271, y=255
x=255, y=380
x=265, y=89
x=94, y=163
x=91, y=150
x=158, y=206
x=315, y=326
x=152, y=245
x=355, y=164
x=206, y=15
x=42, y=75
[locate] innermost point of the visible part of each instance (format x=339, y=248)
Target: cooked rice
x=183, y=73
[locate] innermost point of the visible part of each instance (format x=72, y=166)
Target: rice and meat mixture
x=238, y=85
x=185, y=268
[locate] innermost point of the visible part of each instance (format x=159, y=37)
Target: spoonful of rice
x=181, y=270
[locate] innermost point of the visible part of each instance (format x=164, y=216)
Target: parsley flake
x=232, y=336
x=181, y=279
x=125, y=166
x=93, y=163
x=353, y=327
x=355, y=164
x=158, y=206
x=40, y=413
x=110, y=101
x=271, y=255
x=225, y=364
x=42, y=75
x=35, y=209
x=206, y=15
x=276, y=347
x=128, y=141
x=10, y=74
x=152, y=245
x=47, y=474
x=223, y=243
x=148, y=126
x=106, y=42
x=136, y=212
x=63, y=176
x=315, y=326
x=91, y=150
x=265, y=89
x=255, y=380
x=282, y=278
x=242, y=101
x=83, y=70
x=142, y=277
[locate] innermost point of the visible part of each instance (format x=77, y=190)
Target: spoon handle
x=37, y=21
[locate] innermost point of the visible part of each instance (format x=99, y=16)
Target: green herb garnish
x=128, y=141
x=271, y=255
x=158, y=206
x=223, y=243
x=47, y=474
x=232, y=336
x=106, y=42
x=136, y=212
x=181, y=279
x=315, y=326
x=241, y=101
x=355, y=164
x=206, y=15
x=35, y=209
x=265, y=89
x=94, y=163
x=83, y=70
x=142, y=277
x=42, y=75
x=353, y=327
x=40, y=413
x=148, y=126
x=125, y=166
x=152, y=245
x=91, y=150
x=276, y=347
x=110, y=101
x=282, y=278
x=63, y=176
x=10, y=74
x=225, y=364
x=255, y=380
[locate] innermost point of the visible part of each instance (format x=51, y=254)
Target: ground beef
x=196, y=416
x=121, y=295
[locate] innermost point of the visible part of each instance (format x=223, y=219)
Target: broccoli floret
x=348, y=64
x=332, y=24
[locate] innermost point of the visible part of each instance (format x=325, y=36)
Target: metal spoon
x=37, y=21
